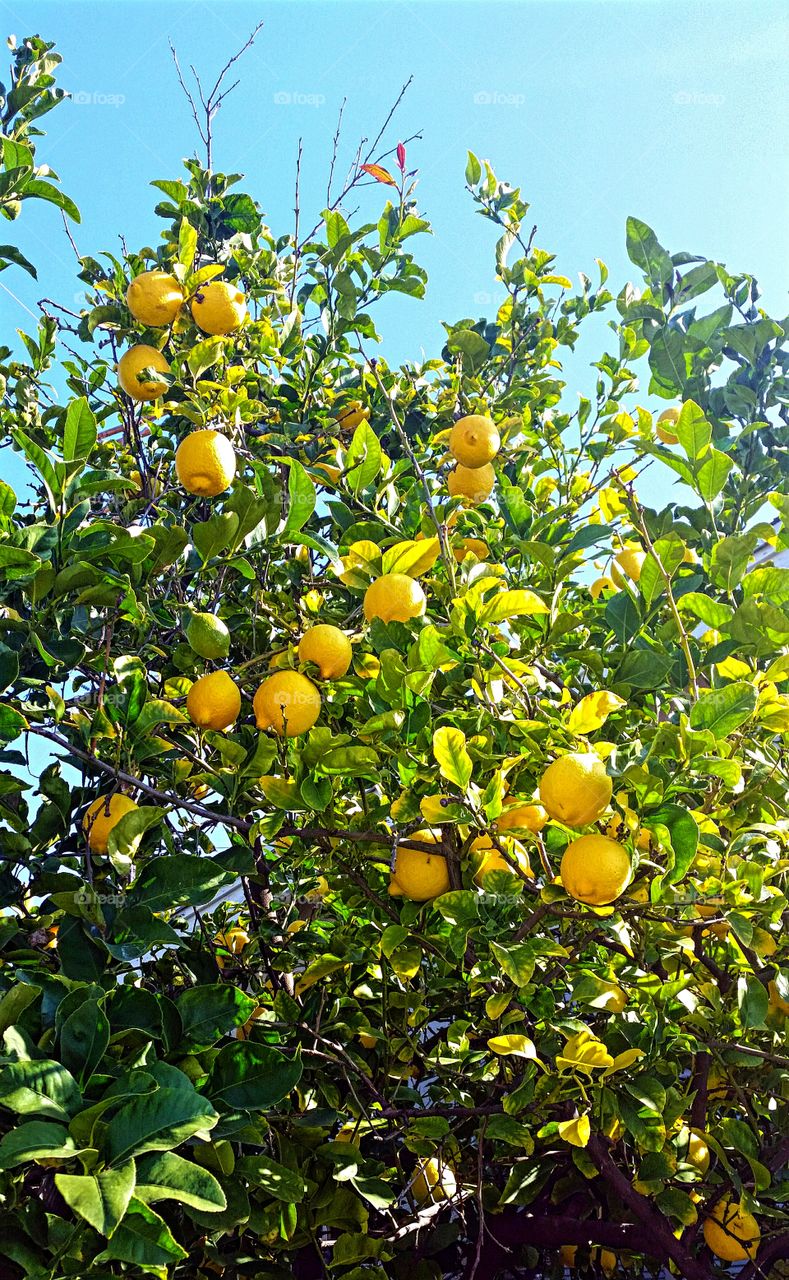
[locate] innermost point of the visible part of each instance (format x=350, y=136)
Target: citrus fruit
x=474, y=441
x=471, y=546
x=575, y=789
x=101, y=816
x=731, y=1232
x=205, y=463
x=214, y=701
x=352, y=415
x=288, y=703
x=131, y=365
x=367, y=1041
x=418, y=874
x=329, y=648
x=628, y=564
x=600, y=585
x=707, y=910
x=693, y=1149
x=776, y=1003
x=522, y=814
x=154, y=298
x=595, y=870
x=394, y=598
x=234, y=941
x=218, y=307
x=474, y=483
x=486, y=858
x=434, y=1180
x=664, y=432
x=208, y=636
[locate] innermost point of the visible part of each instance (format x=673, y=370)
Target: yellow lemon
x=713, y=907
x=595, y=870
x=731, y=1232
x=394, y=598
x=367, y=1041
x=218, y=307
x=486, y=858
x=434, y=1180
x=628, y=564
x=475, y=484
x=600, y=585
x=234, y=941
x=419, y=875
x=474, y=441
x=471, y=546
x=154, y=298
x=575, y=789
x=131, y=365
x=205, y=463
x=214, y=701
x=288, y=703
x=522, y=814
x=350, y=417
x=101, y=816
x=664, y=432
x=329, y=648
x=693, y=1149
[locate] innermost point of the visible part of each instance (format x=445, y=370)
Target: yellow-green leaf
x=577, y=1132
x=512, y=604
x=454, y=761
x=413, y=558
x=593, y=711
x=513, y=1046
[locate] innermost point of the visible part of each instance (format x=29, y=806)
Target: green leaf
x=9, y=253
x=459, y=907
x=644, y=250
x=187, y=244
x=40, y=1087
x=79, y=437
x=473, y=170
x=713, y=474
x=36, y=1140
x=692, y=430
x=166, y=1176
x=714, y=612
x=683, y=834
x=126, y=835
x=84, y=1037
x=247, y=1076
x=752, y=1000
x=209, y=1012
x=39, y=459
x=643, y=669
x=178, y=880
x=454, y=761
x=157, y=1122
x=301, y=499
x=143, y=1238
x=204, y=355
x=102, y=1198
x=275, y=1179
x=45, y=191
x=12, y=724
x=362, y=458
x=517, y=962
x=213, y=535
x=512, y=604
x=724, y=710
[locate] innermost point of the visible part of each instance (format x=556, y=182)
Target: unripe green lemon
x=208, y=636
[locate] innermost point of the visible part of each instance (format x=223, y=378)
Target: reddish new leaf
x=401, y=157
x=379, y=173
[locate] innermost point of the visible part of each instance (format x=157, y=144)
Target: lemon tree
x=393, y=795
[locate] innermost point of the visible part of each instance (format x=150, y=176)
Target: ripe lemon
x=218, y=307
x=394, y=598
x=475, y=484
x=693, y=1149
x=131, y=365
x=434, y=1180
x=731, y=1232
x=595, y=870
x=288, y=703
x=329, y=648
x=600, y=585
x=713, y=907
x=486, y=858
x=474, y=441
x=234, y=941
x=208, y=636
x=521, y=814
x=350, y=417
x=154, y=298
x=214, y=701
x=628, y=564
x=472, y=546
x=664, y=433
x=101, y=816
x=575, y=789
x=205, y=463
x=419, y=875
x=367, y=1041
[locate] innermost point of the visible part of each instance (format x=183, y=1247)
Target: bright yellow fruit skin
x=521, y=814
x=154, y=298
x=132, y=363
x=205, y=463
x=101, y=816
x=475, y=484
x=219, y=307
x=474, y=441
x=214, y=701
x=600, y=585
x=693, y=1149
x=664, y=432
x=731, y=1232
x=352, y=416
x=475, y=546
x=288, y=703
x=595, y=870
x=434, y=1180
x=394, y=598
x=233, y=941
x=486, y=858
x=419, y=875
x=329, y=648
x=367, y=1041
x=575, y=789
x=628, y=564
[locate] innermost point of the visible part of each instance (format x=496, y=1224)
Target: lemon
x=486, y=858
x=417, y=874
x=154, y=298
x=474, y=441
x=575, y=789
x=521, y=814
x=218, y=307
x=595, y=870
x=131, y=365
x=693, y=1149
x=367, y=1041
x=474, y=483
x=214, y=701
x=731, y=1232
x=628, y=564
x=713, y=907
x=664, y=433
x=329, y=648
x=776, y=1003
x=471, y=546
x=208, y=636
x=394, y=598
x=205, y=463
x=288, y=703
x=101, y=816
x=434, y=1180
x=234, y=941
x=600, y=585
x=352, y=416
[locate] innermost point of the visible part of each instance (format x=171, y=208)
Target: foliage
x=181, y=1100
